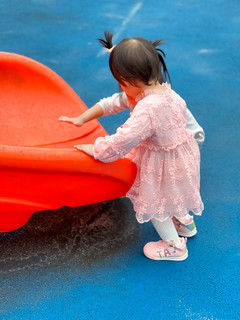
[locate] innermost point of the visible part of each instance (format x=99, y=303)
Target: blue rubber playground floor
x=87, y=263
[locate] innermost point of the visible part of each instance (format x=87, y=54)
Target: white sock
x=166, y=230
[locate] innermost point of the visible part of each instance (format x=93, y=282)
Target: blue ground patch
x=64, y=270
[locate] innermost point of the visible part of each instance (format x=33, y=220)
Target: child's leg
x=166, y=230
x=185, y=226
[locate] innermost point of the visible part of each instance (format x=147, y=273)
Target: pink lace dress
x=167, y=156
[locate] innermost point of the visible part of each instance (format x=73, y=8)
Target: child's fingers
x=87, y=148
x=65, y=119
x=81, y=147
x=62, y=118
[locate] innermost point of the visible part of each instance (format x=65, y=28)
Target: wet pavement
x=69, y=237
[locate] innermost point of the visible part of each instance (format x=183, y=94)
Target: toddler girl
x=159, y=136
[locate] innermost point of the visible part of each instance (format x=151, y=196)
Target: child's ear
x=123, y=84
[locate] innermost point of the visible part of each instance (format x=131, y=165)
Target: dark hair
x=136, y=59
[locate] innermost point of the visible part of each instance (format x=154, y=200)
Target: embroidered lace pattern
x=156, y=138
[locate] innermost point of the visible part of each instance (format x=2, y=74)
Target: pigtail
x=161, y=55
x=107, y=42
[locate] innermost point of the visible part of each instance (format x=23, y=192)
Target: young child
x=159, y=136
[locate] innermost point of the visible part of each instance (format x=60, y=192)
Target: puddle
x=69, y=236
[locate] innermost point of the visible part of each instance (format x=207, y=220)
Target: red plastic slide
x=39, y=167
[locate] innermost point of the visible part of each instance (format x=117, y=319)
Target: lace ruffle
x=167, y=183
x=142, y=217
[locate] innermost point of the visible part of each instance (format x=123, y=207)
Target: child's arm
x=95, y=112
x=193, y=126
x=112, y=105
x=110, y=148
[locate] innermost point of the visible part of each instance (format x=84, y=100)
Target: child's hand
x=87, y=148
x=75, y=121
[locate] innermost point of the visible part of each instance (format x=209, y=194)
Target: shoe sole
x=184, y=257
x=189, y=234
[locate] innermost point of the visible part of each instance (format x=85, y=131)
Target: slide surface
x=39, y=167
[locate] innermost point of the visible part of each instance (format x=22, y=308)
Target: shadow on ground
x=69, y=236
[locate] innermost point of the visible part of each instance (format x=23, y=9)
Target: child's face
x=131, y=92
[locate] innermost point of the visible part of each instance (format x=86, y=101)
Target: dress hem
x=199, y=213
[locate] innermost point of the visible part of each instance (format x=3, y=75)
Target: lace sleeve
x=114, y=104
x=136, y=129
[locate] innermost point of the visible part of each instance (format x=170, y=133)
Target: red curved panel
x=39, y=168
